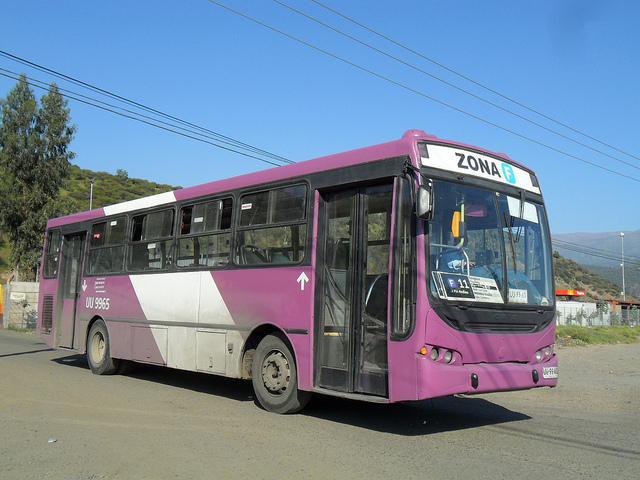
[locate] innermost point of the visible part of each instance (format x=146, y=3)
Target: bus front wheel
x=99, y=350
x=275, y=379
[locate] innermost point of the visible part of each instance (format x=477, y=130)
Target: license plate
x=549, y=372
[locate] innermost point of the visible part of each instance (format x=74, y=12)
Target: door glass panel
x=338, y=269
x=372, y=355
x=72, y=257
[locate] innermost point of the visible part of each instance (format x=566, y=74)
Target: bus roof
x=406, y=145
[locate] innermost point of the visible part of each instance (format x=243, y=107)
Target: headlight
x=448, y=356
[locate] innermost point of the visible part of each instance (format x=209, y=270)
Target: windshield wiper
x=520, y=229
x=507, y=221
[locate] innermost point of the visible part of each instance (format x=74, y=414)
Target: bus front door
x=353, y=255
x=70, y=288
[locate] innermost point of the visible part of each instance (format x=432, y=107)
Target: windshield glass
x=478, y=238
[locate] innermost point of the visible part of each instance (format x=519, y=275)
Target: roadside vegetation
x=575, y=335
x=38, y=180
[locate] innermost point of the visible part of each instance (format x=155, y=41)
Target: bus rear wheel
x=99, y=350
x=275, y=379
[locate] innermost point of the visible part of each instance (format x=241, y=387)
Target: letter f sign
x=508, y=173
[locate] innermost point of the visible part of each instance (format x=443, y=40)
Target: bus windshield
x=478, y=238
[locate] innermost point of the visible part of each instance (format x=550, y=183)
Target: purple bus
x=408, y=270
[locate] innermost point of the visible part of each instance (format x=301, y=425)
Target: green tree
x=122, y=174
x=34, y=164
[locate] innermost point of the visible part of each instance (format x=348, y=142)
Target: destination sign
x=468, y=163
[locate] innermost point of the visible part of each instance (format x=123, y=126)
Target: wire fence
x=599, y=314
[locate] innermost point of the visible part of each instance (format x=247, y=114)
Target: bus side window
x=273, y=226
x=205, y=234
x=151, y=241
x=106, y=247
x=52, y=254
x=404, y=272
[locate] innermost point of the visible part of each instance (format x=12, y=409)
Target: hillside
x=631, y=274
x=571, y=275
x=601, y=253
x=107, y=190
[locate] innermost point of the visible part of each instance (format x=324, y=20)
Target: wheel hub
x=98, y=347
x=276, y=373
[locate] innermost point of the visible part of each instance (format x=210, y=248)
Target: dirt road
x=59, y=421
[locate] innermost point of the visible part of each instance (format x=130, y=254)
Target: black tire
x=99, y=351
x=275, y=378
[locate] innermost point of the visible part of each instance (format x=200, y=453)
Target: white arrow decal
x=84, y=285
x=302, y=279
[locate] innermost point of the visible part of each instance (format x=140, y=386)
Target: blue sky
x=575, y=61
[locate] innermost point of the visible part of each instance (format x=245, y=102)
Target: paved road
x=59, y=421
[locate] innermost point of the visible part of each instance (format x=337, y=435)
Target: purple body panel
x=277, y=298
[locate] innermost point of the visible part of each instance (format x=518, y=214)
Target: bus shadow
x=231, y=388
x=426, y=417
x=77, y=360
x=215, y=385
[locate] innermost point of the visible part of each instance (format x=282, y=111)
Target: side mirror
x=423, y=207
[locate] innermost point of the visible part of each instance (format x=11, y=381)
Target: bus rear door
x=70, y=286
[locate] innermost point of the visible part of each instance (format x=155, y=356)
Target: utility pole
x=91, y=196
x=624, y=291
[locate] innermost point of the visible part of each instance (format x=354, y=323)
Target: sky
x=293, y=87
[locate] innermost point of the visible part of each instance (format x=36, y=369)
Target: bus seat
x=279, y=257
x=250, y=255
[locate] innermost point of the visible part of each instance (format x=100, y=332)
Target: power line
x=422, y=94
x=495, y=92
x=147, y=122
x=596, y=252
x=195, y=132
x=424, y=72
x=136, y=104
x=126, y=113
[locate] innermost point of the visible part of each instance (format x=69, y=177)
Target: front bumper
x=436, y=380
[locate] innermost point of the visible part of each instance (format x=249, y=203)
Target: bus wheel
x=99, y=350
x=275, y=379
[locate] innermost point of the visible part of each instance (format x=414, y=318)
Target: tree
x=34, y=164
